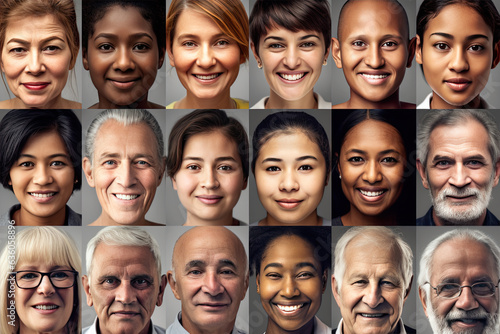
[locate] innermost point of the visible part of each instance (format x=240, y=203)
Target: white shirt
x=93, y=328
x=176, y=327
x=426, y=103
x=402, y=329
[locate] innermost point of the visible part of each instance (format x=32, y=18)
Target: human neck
x=358, y=102
x=105, y=220
x=25, y=218
x=443, y=222
x=276, y=102
x=356, y=218
x=312, y=220
x=25, y=330
x=227, y=220
x=192, y=328
x=438, y=103
x=273, y=328
x=222, y=101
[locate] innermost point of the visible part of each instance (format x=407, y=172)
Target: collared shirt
x=402, y=329
x=322, y=104
x=93, y=328
x=176, y=327
x=426, y=103
x=427, y=220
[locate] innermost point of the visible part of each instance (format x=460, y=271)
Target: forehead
x=196, y=22
x=463, y=261
x=373, y=19
x=210, y=142
x=285, y=143
x=373, y=135
x=118, y=17
x=33, y=26
x=116, y=260
x=289, y=248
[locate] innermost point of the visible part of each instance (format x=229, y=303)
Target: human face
x=210, y=280
x=464, y=262
x=123, y=287
x=43, y=176
x=371, y=165
x=372, y=293
x=291, y=61
x=57, y=303
x=291, y=176
x=210, y=179
x=36, y=60
x=373, y=50
x=290, y=284
x=125, y=171
x=456, y=54
x=206, y=60
x=460, y=172
x=122, y=57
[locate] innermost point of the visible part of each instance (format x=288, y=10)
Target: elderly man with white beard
x=458, y=161
x=458, y=283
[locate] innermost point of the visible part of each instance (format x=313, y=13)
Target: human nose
x=289, y=182
x=46, y=288
x=291, y=58
x=289, y=288
x=42, y=175
x=35, y=64
x=125, y=293
x=125, y=175
x=372, y=172
x=374, y=58
x=373, y=296
x=212, y=284
x=123, y=61
x=458, y=61
x=206, y=58
x=459, y=177
x=209, y=179
x=466, y=301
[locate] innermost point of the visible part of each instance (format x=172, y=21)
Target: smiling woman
x=39, y=43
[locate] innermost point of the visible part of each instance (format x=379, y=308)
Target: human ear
x=161, y=58
x=336, y=54
x=335, y=292
x=423, y=176
x=257, y=280
x=162, y=171
x=407, y=292
x=163, y=284
x=256, y=56
x=86, y=287
x=497, y=173
x=85, y=59
x=87, y=170
x=411, y=51
x=496, y=55
x=418, y=50
x=324, y=278
x=174, y=183
x=423, y=299
x=173, y=284
x=170, y=54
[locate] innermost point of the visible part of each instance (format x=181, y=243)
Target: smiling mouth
x=126, y=197
x=42, y=195
x=375, y=76
x=46, y=307
x=371, y=193
x=372, y=315
x=292, y=77
x=289, y=308
x=207, y=77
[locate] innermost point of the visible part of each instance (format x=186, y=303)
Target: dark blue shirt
x=489, y=220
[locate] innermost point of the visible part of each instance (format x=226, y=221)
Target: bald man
x=210, y=278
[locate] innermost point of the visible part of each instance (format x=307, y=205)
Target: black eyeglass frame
x=14, y=273
x=460, y=288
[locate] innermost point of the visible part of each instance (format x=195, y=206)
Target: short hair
x=130, y=236
x=63, y=11
x=437, y=118
x=35, y=245
x=152, y=11
x=397, y=6
x=229, y=15
x=456, y=234
x=318, y=237
x=205, y=121
x=380, y=236
x=287, y=122
x=429, y=9
x=19, y=125
x=125, y=118
x=293, y=15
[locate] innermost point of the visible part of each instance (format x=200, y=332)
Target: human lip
x=123, y=83
x=212, y=306
x=289, y=203
x=125, y=314
x=375, y=78
x=209, y=199
x=292, y=77
x=372, y=315
x=372, y=194
x=46, y=308
x=289, y=310
x=207, y=78
x=458, y=84
x=126, y=197
x=35, y=85
x=42, y=196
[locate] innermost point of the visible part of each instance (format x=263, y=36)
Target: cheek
x=186, y=184
x=265, y=185
x=59, y=68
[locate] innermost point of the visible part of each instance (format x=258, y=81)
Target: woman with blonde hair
x=39, y=283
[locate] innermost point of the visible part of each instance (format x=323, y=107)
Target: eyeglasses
x=30, y=279
x=454, y=290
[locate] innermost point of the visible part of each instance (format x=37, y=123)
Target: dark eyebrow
x=271, y=160
x=227, y=262
x=194, y=263
x=441, y=157
x=133, y=36
x=282, y=39
x=43, y=41
x=273, y=265
x=217, y=159
x=305, y=157
x=144, y=276
x=193, y=36
x=305, y=264
x=50, y=156
x=468, y=38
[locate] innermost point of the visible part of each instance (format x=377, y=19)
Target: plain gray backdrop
x=423, y=195
x=426, y=234
x=174, y=305
x=491, y=93
x=176, y=212
x=176, y=91
x=259, y=87
x=91, y=206
x=341, y=91
x=73, y=89
x=158, y=233
x=257, y=211
x=409, y=311
x=7, y=198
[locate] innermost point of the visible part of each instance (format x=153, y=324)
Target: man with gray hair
x=124, y=161
x=371, y=281
x=458, y=283
x=123, y=281
x=458, y=161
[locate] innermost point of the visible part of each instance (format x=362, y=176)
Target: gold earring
x=259, y=64
x=324, y=62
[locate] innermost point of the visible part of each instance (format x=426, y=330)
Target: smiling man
x=458, y=283
x=371, y=281
x=123, y=281
x=210, y=278
x=458, y=161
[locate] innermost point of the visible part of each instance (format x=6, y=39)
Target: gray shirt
x=176, y=327
x=72, y=218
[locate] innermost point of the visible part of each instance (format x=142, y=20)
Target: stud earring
x=259, y=64
x=324, y=62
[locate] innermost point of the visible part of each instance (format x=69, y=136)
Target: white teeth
x=289, y=308
x=127, y=197
x=371, y=193
x=370, y=76
x=42, y=195
x=206, y=77
x=370, y=315
x=46, y=307
x=292, y=77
